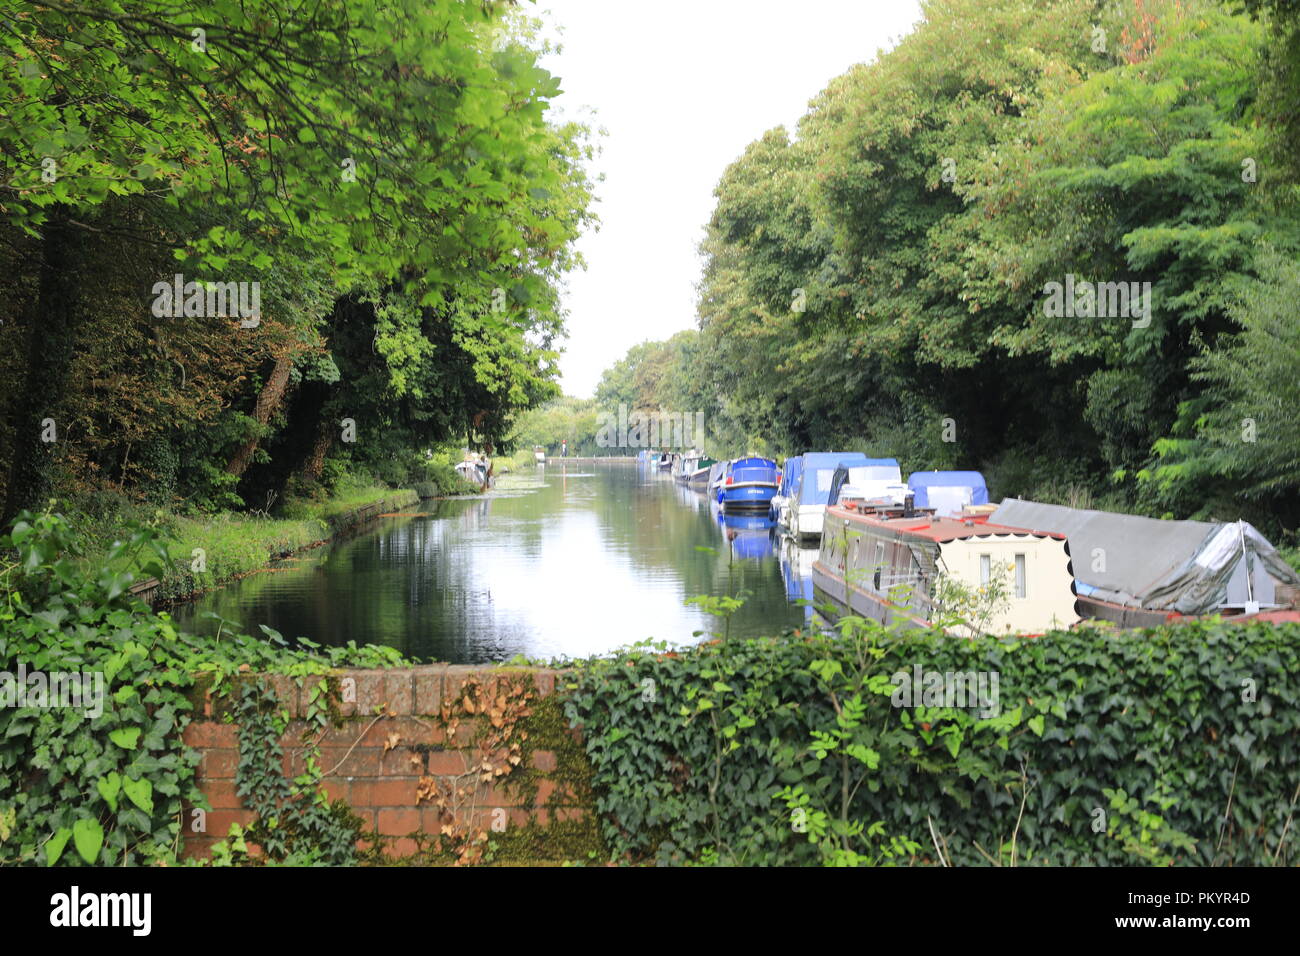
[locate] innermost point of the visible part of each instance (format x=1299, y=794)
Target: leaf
x=88, y=837
x=1036, y=724
x=125, y=737
x=109, y=786
x=139, y=792
x=54, y=847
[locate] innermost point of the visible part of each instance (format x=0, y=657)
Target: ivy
x=1177, y=745
x=105, y=783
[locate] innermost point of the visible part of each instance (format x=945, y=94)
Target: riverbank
x=211, y=550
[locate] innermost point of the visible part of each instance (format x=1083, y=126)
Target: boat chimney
x=909, y=502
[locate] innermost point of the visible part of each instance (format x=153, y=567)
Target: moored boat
x=749, y=484
x=779, y=507
x=811, y=490
x=698, y=477
x=899, y=566
x=1136, y=571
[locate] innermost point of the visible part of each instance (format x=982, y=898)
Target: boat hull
x=749, y=497
x=847, y=599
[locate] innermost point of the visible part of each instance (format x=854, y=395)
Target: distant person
x=564, y=448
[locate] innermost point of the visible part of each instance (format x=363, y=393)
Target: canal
x=568, y=561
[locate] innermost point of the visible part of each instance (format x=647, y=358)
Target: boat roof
x=1191, y=567
x=829, y=459
x=933, y=528
x=929, y=479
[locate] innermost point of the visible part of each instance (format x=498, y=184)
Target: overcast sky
x=681, y=86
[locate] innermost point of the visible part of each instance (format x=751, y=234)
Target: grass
x=210, y=549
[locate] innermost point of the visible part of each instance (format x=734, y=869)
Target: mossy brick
x=544, y=760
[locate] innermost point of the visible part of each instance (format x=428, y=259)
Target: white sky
x=681, y=87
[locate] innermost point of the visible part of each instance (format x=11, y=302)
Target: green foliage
x=103, y=782
x=1180, y=744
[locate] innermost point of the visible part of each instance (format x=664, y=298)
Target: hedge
x=1176, y=745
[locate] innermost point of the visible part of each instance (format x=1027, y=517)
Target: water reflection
x=564, y=560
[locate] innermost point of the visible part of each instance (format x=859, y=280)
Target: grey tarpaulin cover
x=1192, y=567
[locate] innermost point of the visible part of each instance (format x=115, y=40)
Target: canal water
x=568, y=561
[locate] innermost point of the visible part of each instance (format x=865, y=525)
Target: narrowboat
x=948, y=492
x=811, y=491
x=698, y=476
x=666, y=462
x=779, y=509
x=1142, y=572
x=749, y=484
x=894, y=564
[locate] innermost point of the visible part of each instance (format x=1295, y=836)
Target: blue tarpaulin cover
x=952, y=490
x=819, y=469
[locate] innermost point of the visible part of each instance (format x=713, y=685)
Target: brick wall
x=442, y=763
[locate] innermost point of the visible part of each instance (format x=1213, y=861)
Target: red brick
x=361, y=762
x=219, y=764
x=336, y=789
x=219, y=821
x=399, y=691
x=383, y=793
x=454, y=678
x=408, y=730
x=431, y=820
x=399, y=822
x=427, y=680
x=544, y=760
x=497, y=796
x=205, y=734
x=563, y=814
x=446, y=762
x=221, y=795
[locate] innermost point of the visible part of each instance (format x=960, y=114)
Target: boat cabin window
x=986, y=568
x=1020, y=575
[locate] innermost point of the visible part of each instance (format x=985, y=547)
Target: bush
x=1106, y=748
x=103, y=782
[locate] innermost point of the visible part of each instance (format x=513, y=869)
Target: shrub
x=1174, y=745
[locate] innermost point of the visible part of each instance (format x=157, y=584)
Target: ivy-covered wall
x=1178, y=745
x=438, y=763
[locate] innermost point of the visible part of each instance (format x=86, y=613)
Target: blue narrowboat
x=749, y=485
